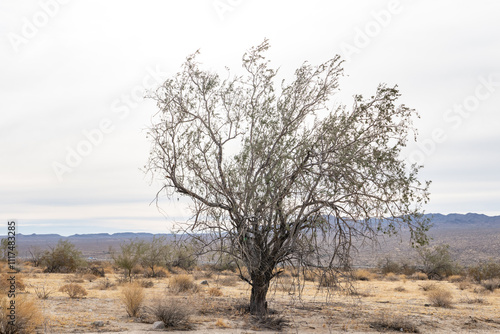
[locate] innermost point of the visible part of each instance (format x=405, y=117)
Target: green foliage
x=154, y=254
x=484, y=271
x=437, y=261
x=130, y=255
x=64, y=258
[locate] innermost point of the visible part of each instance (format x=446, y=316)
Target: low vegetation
x=132, y=297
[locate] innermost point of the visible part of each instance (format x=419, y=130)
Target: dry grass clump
x=428, y=286
x=274, y=323
x=27, y=315
x=455, y=278
x=42, y=292
x=105, y=284
x=400, y=289
x=491, y=284
x=393, y=323
x=392, y=277
x=132, y=296
x=5, y=283
x=419, y=276
x=214, y=292
x=147, y=284
x=362, y=275
x=227, y=280
x=328, y=281
x=74, y=290
x=182, y=283
x=220, y=323
x=440, y=297
x=173, y=313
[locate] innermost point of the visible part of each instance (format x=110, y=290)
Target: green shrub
x=484, y=271
x=64, y=258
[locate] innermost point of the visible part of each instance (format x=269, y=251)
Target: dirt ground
x=378, y=304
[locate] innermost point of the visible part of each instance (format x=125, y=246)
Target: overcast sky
x=73, y=75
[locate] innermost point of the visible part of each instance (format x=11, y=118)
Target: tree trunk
x=258, y=303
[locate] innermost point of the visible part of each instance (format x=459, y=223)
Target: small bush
x=227, y=281
x=74, y=290
x=428, y=286
x=392, y=277
x=220, y=323
x=455, y=278
x=362, y=275
x=28, y=316
x=328, y=281
x=440, y=298
x=387, y=266
x=182, y=283
x=491, y=284
x=42, y=292
x=214, y=292
x=173, y=313
x=147, y=284
x=132, y=296
x=394, y=323
x=89, y=277
x=484, y=271
x=106, y=284
x=400, y=289
x=419, y=276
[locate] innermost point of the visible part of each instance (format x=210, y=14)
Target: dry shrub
x=27, y=315
x=400, y=289
x=392, y=277
x=106, y=284
x=428, y=286
x=309, y=275
x=173, y=313
x=5, y=285
x=477, y=300
x=74, y=290
x=220, y=323
x=362, y=275
x=455, y=278
x=132, y=296
x=74, y=279
x=182, y=283
x=463, y=285
x=227, y=281
x=491, y=284
x=147, y=284
x=419, y=276
x=328, y=281
x=214, y=292
x=90, y=277
x=440, y=297
x=274, y=323
x=394, y=323
x=42, y=292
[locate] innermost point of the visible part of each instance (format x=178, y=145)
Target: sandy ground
x=394, y=300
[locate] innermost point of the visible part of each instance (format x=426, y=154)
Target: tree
x=274, y=175
x=63, y=258
x=437, y=261
x=154, y=253
x=36, y=255
x=130, y=255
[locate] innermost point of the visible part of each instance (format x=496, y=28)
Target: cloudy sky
x=73, y=75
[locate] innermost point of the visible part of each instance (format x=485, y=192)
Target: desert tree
x=277, y=173
x=129, y=256
x=154, y=254
x=62, y=258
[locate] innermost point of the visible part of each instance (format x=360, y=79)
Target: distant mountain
x=456, y=220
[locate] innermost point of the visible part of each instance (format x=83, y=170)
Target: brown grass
x=27, y=315
x=132, y=296
x=74, y=290
x=220, y=323
x=362, y=275
x=440, y=297
x=182, y=283
x=214, y=292
x=173, y=313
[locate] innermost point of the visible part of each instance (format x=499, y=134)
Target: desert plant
x=214, y=292
x=173, y=313
x=455, y=278
x=105, y=284
x=5, y=283
x=362, y=275
x=428, y=286
x=437, y=261
x=132, y=296
x=484, y=271
x=27, y=315
x=74, y=290
x=394, y=323
x=182, y=283
x=42, y=292
x=419, y=276
x=387, y=265
x=392, y=277
x=491, y=284
x=221, y=323
x=147, y=284
x=89, y=277
x=63, y=258
x=400, y=289
x=129, y=256
x=440, y=297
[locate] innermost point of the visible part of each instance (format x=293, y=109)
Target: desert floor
x=378, y=303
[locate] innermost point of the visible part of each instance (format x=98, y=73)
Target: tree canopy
x=276, y=174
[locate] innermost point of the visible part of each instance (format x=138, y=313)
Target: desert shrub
x=157, y=274
x=227, y=280
x=392, y=277
x=221, y=323
x=437, y=262
x=173, y=313
x=42, y=292
x=419, y=276
x=97, y=271
x=387, y=266
x=74, y=290
x=477, y=300
x=309, y=275
x=27, y=316
x=484, y=271
x=74, y=279
x=129, y=257
x=106, y=284
x=64, y=258
x=455, y=278
x=362, y=275
x=491, y=284
x=429, y=286
x=132, y=296
x=182, y=283
x=89, y=277
x=214, y=292
x=5, y=284
x=400, y=289
x=440, y=297
x=147, y=284
x=270, y=322
x=393, y=323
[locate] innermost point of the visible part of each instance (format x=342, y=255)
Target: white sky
x=69, y=67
